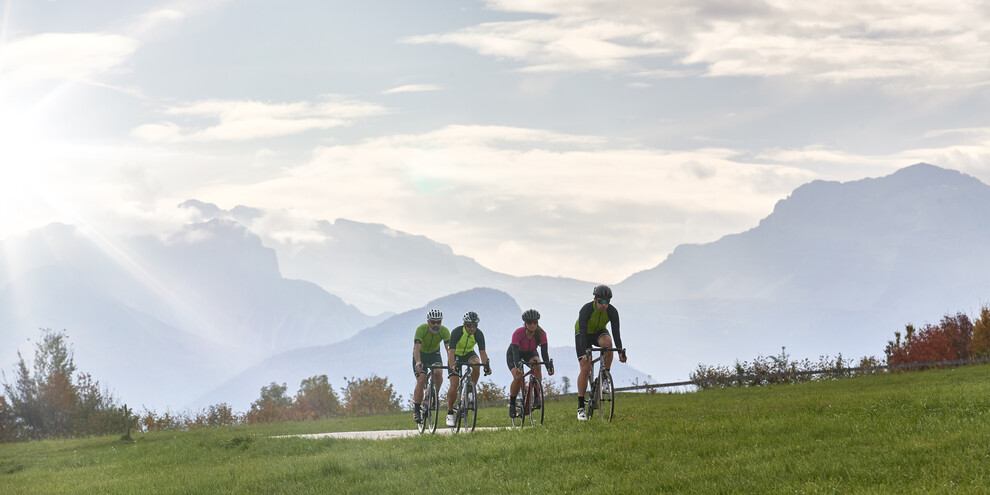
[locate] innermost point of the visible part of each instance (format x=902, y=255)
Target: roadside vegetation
x=890, y=433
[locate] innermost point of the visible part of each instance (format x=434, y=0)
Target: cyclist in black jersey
x=590, y=330
x=462, y=342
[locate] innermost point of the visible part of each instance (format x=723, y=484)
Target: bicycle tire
x=608, y=396
x=434, y=410
x=597, y=399
x=590, y=404
x=471, y=412
x=534, y=392
x=424, y=407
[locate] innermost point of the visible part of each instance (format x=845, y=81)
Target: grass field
x=926, y=432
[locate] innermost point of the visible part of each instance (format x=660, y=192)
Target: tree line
x=955, y=338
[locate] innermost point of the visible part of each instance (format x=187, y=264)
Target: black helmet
x=531, y=314
x=471, y=317
x=603, y=292
x=435, y=315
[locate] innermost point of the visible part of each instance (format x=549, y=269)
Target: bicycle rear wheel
x=608, y=395
x=597, y=396
x=534, y=397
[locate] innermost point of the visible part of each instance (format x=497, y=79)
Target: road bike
x=532, y=396
x=466, y=403
x=430, y=408
x=602, y=389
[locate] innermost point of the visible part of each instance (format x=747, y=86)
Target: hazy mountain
x=382, y=270
x=386, y=350
x=159, y=321
x=836, y=268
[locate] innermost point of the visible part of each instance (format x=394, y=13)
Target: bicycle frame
x=431, y=400
x=532, y=389
x=466, y=403
x=602, y=387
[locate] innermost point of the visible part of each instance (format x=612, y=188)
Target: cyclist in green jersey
x=461, y=350
x=591, y=329
x=426, y=352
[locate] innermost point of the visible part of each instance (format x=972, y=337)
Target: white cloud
x=928, y=41
x=414, y=88
x=75, y=56
x=224, y=120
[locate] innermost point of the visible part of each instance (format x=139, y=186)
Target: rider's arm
x=584, y=316
x=613, y=318
x=416, y=348
x=515, y=353
x=545, y=352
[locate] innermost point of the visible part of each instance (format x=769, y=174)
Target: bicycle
x=430, y=408
x=602, y=389
x=532, y=396
x=466, y=403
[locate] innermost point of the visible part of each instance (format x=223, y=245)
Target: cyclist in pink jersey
x=525, y=340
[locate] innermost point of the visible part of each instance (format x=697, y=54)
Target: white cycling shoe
x=581, y=415
x=450, y=420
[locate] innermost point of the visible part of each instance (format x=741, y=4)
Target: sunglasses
x=532, y=322
x=470, y=325
x=434, y=322
x=602, y=301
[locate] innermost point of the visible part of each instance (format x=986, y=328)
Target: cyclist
x=426, y=352
x=590, y=329
x=525, y=340
x=461, y=351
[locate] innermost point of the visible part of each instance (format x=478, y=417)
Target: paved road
x=381, y=434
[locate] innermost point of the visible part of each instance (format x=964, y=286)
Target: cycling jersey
x=463, y=342
x=591, y=321
x=430, y=342
x=524, y=348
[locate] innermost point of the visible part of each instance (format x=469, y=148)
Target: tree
x=43, y=401
x=372, y=395
x=489, y=392
x=315, y=399
x=979, y=346
x=273, y=405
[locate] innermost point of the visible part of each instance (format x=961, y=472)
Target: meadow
x=919, y=432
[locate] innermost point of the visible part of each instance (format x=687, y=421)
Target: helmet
x=603, y=292
x=531, y=314
x=434, y=314
x=471, y=317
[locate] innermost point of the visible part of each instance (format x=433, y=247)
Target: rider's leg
x=537, y=369
x=582, y=378
x=475, y=370
x=452, y=392
x=418, y=393
x=606, y=341
x=517, y=381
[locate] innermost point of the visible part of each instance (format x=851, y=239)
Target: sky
x=581, y=138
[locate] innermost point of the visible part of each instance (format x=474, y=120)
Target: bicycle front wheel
x=607, y=395
x=471, y=408
x=534, y=396
x=424, y=409
x=433, y=410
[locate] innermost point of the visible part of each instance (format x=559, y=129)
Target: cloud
x=63, y=56
x=413, y=88
x=225, y=120
x=835, y=42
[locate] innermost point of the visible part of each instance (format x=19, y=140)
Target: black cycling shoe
x=416, y=416
x=512, y=410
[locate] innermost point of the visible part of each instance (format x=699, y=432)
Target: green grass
x=907, y=433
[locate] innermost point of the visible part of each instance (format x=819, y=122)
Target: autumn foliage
x=950, y=340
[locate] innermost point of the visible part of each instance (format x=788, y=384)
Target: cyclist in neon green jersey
x=426, y=352
x=591, y=329
x=461, y=350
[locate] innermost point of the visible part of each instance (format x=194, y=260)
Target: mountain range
x=214, y=312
